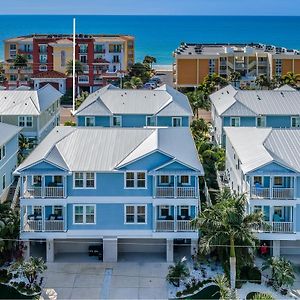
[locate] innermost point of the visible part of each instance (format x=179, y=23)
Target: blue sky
x=152, y=7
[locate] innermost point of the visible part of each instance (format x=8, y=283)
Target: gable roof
x=282, y=101
x=8, y=132
x=163, y=101
x=107, y=149
x=23, y=102
x=257, y=147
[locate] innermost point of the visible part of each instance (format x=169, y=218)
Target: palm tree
x=262, y=81
x=283, y=273
x=199, y=128
x=234, y=77
x=31, y=269
x=20, y=62
x=198, y=100
x=178, y=272
x=291, y=79
x=276, y=82
x=149, y=60
x=134, y=83
x=78, y=70
x=215, y=81
x=227, y=224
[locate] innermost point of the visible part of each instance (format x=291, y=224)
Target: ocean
x=160, y=35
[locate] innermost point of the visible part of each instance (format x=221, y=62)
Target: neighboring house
x=105, y=58
x=132, y=189
x=279, y=108
x=264, y=163
x=193, y=62
x=37, y=112
x=8, y=156
x=114, y=107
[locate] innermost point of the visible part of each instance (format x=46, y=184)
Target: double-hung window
x=176, y=121
x=135, y=180
x=164, y=211
x=295, y=121
x=2, y=152
x=184, y=180
x=84, y=214
x=89, y=121
x=184, y=211
x=25, y=121
x=135, y=214
x=84, y=180
x=117, y=121
x=235, y=121
x=261, y=121
x=164, y=179
x=150, y=121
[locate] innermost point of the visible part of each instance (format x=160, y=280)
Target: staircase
x=12, y=195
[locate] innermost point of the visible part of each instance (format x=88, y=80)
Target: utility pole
x=73, y=75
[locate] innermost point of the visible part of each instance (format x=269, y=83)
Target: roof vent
x=227, y=92
x=25, y=103
x=121, y=95
x=282, y=94
x=258, y=98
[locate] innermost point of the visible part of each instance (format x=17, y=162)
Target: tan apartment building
x=105, y=58
x=195, y=61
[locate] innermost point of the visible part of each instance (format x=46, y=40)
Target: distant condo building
x=105, y=58
x=195, y=61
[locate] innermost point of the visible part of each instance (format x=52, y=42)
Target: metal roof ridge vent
x=282, y=94
x=258, y=98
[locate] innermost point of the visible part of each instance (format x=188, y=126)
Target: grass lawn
x=210, y=292
x=7, y=292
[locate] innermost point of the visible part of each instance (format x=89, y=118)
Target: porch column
x=271, y=187
x=175, y=218
x=110, y=249
x=194, y=246
x=170, y=250
x=43, y=187
x=271, y=215
x=154, y=186
x=43, y=217
x=276, y=248
x=50, y=250
x=154, y=217
x=65, y=217
x=293, y=210
x=26, y=250
x=175, y=186
x=294, y=187
x=65, y=186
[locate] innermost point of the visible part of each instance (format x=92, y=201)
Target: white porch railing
x=273, y=193
x=170, y=225
x=47, y=192
x=276, y=227
x=184, y=225
x=283, y=193
x=54, y=225
x=162, y=225
x=179, y=192
x=33, y=225
x=260, y=192
x=47, y=225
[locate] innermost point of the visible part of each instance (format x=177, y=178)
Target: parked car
x=155, y=79
x=150, y=85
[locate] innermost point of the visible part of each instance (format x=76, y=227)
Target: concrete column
x=50, y=250
x=26, y=252
x=276, y=248
x=110, y=249
x=170, y=250
x=194, y=246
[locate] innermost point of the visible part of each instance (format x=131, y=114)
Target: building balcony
x=173, y=226
x=46, y=225
x=99, y=51
x=178, y=192
x=46, y=192
x=272, y=193
x=276, y=227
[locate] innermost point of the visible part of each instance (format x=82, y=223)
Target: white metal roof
x=107, y=149
x=23, y=102
x=7, y=132
x=257, y=147
x=260, y=102
x=163, y=101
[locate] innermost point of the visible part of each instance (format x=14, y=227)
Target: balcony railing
x=47, y=192
x=276, y=227
x=179, y=192
x=47, y=225
x=273, y=193
x=171, y=225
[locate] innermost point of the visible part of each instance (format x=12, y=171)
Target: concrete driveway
x=122, y=280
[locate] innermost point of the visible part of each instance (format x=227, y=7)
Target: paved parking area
x=122, y=280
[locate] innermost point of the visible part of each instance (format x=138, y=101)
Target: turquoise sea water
x=160, y=35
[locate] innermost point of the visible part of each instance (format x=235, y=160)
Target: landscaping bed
x=9, y=292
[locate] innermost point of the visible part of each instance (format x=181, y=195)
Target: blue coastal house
x=128, y=189
x=279, y=108
x=264, y=163
x=114, y=107
x=8, y=156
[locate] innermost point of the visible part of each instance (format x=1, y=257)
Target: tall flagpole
x=73, y=75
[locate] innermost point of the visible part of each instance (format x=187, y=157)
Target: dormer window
x=117, y=121
x=261, y=121
x=176, y=121
x=235, y=121
x=295, y=122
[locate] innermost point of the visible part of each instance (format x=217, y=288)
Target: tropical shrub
x=259, y=296
x=177, y=272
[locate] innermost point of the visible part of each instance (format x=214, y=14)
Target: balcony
x=178, y=192
x=47, y=225
x=172, y=226
x=46, y=192
x=276, y=227
x=272, y=193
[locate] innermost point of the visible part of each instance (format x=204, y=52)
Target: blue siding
x=176, y=166
x=133, y=120
x=103, y=121
x=297, y=214
x=272, y=167
x=44, y=167
x=167, y=121
x=248, y=121
x=278, y=121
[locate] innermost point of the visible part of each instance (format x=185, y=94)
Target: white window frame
x=189, y=180
x=2, y=150
x=150, y=117
x=84, y=181
x=135, y=179
x=189, y=210
x=162, y=183
x=56, y=207
x=263, y=121
x=262, y=179
x=84, y=214
x=35, y=182
x=177, y=118
x=117, y=117
x=278, y=185
x=236, y=119
x=160, y=208
x=295, y=117
x=4, y=181
x=25, y=121
x=90, y=118
x=135, y=214
x=37, y=207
